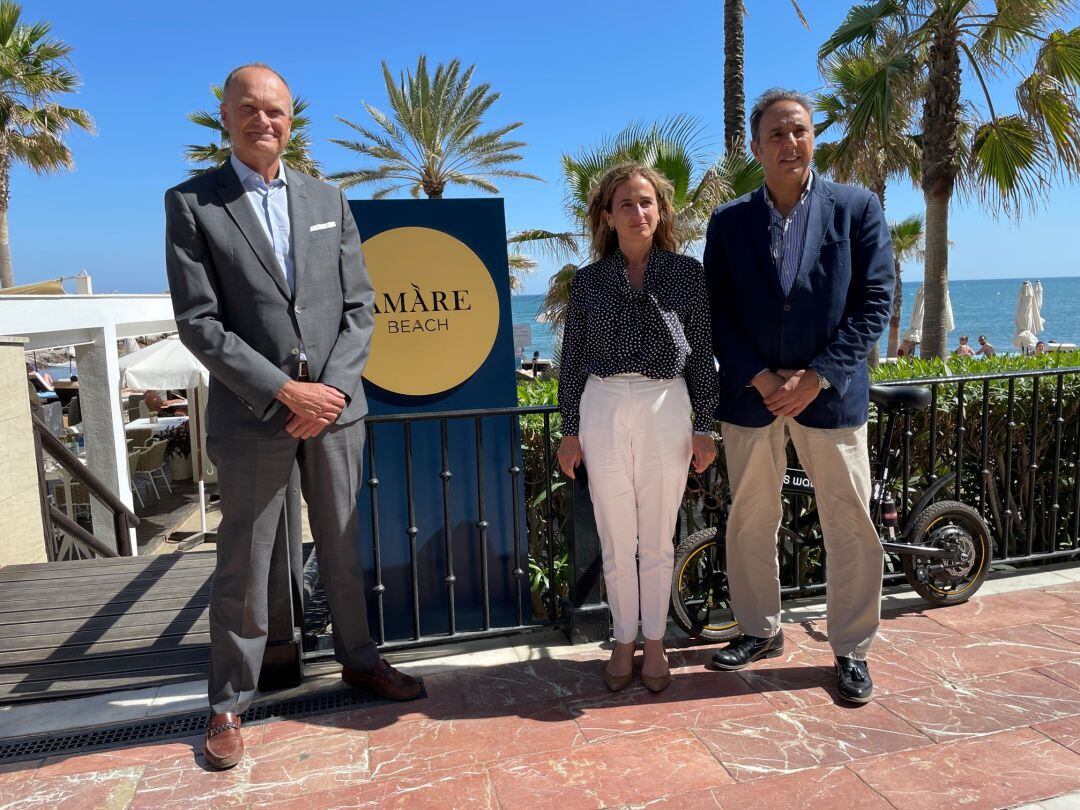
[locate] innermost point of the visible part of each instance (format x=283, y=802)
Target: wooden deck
x=75, y=628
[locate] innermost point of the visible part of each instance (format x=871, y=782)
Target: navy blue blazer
x=835, y=312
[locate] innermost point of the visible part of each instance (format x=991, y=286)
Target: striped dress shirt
x=787, y=235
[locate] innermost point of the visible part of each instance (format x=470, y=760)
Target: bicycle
x=944, y=546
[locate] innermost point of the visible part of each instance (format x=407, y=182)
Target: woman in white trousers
x=637, y=390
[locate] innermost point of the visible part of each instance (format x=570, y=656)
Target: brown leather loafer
x=384, y=681
x=224, y=746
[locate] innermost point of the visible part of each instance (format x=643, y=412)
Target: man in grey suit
x=271, y=294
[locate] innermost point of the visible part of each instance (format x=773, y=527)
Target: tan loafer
x=224, y=745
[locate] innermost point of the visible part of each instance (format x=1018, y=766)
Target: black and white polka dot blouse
x=661, y=331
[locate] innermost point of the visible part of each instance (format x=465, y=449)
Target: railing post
x=586, y=616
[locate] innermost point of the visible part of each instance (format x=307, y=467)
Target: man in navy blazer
x=800, y=276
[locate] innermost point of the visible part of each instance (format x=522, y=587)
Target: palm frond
x=557, y=245
x=907, y=237
x=1010, y=163
x=863, y=23
x=1050, y=107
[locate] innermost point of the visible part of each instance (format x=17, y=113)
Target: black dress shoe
x=853, y=680
x=746, y=650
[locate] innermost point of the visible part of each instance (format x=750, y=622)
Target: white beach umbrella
x=918, y=310
x=168, y=364
x=1028, y=321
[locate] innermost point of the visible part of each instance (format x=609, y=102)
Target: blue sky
x=572, y=72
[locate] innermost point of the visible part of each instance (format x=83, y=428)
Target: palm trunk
x=939, y=167
x=7, y=277
x=897, y=311
x=734, y=92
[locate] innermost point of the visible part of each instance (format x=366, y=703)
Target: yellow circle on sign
x=436, y=311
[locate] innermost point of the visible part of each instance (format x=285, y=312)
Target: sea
x=980, y=307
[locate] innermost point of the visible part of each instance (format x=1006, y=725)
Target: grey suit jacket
x=234, y=310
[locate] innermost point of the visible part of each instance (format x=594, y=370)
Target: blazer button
x=294, y=352
x=787, y=307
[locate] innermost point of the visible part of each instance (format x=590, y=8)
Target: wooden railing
x=65, y=539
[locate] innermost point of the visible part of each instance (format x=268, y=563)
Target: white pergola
x=92, y=324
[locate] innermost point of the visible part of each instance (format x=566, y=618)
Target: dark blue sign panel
x=443, y=341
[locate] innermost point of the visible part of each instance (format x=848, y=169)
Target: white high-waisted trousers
x=635, y=435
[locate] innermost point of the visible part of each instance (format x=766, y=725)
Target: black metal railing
x=521, y=506
x=65, y=537
x=1012, y=440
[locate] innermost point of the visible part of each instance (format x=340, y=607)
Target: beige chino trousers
x=839, y=466
x=635, y=435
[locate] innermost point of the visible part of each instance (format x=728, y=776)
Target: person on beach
x=964, y=349
x=637, y=389
x=800, y=274
x=271, y=294
x=986, y=349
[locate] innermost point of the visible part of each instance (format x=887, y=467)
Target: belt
x=302, y=373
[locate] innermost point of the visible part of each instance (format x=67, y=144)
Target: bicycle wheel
x=955, y=526
x=700, y=602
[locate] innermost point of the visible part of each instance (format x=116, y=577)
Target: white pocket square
x=322, y=226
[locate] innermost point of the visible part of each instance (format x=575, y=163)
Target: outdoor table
x=162, y=424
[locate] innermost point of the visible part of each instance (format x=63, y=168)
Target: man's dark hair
x=263, y=65
x=770, y=97
x=982, y=337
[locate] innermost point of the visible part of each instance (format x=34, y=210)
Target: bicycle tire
x=694, y=572
x=960, y=588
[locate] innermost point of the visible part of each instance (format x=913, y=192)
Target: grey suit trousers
x=253, y=475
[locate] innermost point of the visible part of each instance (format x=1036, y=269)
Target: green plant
x=178, y=441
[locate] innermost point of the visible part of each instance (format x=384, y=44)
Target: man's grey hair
x=772, y=96
x=263, y=65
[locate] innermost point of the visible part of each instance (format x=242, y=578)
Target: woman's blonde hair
x=603, y=239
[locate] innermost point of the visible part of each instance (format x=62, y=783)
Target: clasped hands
x=787, y=392
x=313, y=407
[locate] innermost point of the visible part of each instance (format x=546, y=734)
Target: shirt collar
x=802, y=197
x=249, y=178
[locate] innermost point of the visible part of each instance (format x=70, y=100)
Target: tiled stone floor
x=977, y=705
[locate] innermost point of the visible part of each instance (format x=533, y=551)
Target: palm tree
x=1009, y=159
x=34, y=69
x=297, y=154
x=430, y=139
x=872, y=148
x=677, y=149
x=734, y=78
x=907, y=243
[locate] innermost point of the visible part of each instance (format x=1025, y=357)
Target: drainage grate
x=179, y=725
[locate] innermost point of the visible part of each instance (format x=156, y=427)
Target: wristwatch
x=822, y=381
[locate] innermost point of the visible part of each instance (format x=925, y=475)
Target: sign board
x=522, y=338
x=443, y=341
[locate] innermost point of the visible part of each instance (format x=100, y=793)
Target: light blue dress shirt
x=271, y=205
x=787, y=235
